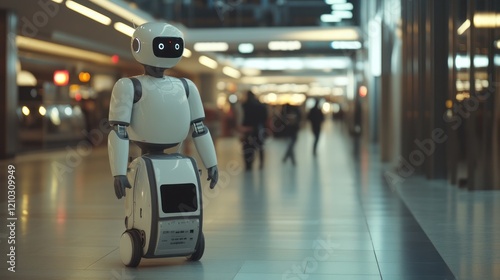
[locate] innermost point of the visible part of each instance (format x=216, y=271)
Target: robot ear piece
x=136, y=45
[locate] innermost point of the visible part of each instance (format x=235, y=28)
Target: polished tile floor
x=329, y=217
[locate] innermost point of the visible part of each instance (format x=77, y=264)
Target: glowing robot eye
x=136, y=45
x=161, y=46
x=177, y=47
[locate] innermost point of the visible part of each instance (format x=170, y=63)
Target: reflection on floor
x=329, y=217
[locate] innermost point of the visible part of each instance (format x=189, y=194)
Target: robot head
x=157, y=44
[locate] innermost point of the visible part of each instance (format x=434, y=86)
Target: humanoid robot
x=163, y=205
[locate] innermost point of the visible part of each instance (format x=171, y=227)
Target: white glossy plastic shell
x=195, y=104
x=122, y=99
x=205, y=148
x=118, y=154
x=162, y=115
x=138, y=199
x=145, y=34
x=138, y=202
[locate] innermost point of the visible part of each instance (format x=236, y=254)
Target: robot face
x=168, y=47
x=157, y=44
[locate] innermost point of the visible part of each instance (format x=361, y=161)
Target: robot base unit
x=163, y=209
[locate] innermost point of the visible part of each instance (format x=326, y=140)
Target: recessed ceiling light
x=246, y=48
x=211, y=47
x=346, y=45
x=284, y=45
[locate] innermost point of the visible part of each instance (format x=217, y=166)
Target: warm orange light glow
x=232, y=87
x=84, y=77
x=363, y=91
x=449, y=104
x=61, y=77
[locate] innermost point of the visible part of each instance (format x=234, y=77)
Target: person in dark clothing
x=253, y=129
x=316, y=117
x=292, y=117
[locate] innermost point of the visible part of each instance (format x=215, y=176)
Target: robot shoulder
x=194, y=100
x=122, y=98
x=128, y=88
x=123, y=86
x=191, y=88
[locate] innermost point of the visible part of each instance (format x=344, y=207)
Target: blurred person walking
x=253, y=129
x=292, y=118
x=316, y=117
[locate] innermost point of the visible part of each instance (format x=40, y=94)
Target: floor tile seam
x=360, y=201
x=371, y=238
x=239, y=270
x=307, y=274
x=87, y=268
x=380, y=170
x=396, y=190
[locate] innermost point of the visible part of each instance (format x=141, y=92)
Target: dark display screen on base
x=178, y=198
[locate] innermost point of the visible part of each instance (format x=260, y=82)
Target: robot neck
x=156, y=72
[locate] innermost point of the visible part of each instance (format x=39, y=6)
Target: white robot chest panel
x=162, y=114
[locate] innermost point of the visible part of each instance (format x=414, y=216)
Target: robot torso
x=162, y=114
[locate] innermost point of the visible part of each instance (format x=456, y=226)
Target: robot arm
x=120, y=112
x=201, y=135
x=205, y=147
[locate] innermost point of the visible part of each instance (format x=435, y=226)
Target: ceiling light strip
x=330, y=18
x=346, y=45
x=461, y=30
x=83, y=10
x=120, y=11
x=284, y=45
x=60, y=50
x=331, y=2
x=208, y=62
x=343, y=7
x=231, y=72
x=187, y=53
x=124, y=28
x=342, y=14
x=293, y=63
x=211, y=47
x=487, y=20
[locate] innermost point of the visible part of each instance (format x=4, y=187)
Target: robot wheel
x=199, y=249
x=131, y=248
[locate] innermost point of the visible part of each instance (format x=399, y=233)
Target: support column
x=437, y=164
x=470, y=123
x=8, y=85
x=386, y=118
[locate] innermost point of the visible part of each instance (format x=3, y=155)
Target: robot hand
x=121, y=182
x=213, y=175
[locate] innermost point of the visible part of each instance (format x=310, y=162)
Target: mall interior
x=405, y=183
